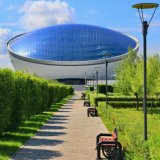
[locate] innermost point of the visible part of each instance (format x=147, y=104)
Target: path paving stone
x=68, y=135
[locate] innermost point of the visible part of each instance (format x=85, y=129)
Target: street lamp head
x=145, y=5
x=142, y=6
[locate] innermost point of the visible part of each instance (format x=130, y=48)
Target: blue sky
x=19, y=16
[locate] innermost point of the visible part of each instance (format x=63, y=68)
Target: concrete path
x=68, y=135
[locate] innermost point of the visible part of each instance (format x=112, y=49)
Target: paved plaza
x=68, y=135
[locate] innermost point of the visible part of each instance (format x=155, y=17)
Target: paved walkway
x=68, y=135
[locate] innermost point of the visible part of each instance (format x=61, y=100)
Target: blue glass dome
x=71, y=42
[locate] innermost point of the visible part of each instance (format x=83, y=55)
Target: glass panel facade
x=71, y=42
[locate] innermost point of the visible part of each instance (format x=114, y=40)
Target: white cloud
x=5, y=35
x=41, y=13
x=9, y=24
x=3, y=57
x=5, y=61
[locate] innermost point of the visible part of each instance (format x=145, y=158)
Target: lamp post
x=85, y=81
x=97, y=68
x=145, y=26
x=89, y=80
x=106, y=57
x=97, y=82
x=93, y=82
x=106, y=62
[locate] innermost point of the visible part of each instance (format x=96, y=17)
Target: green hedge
x=102, y=88
x=19, y=103
x=131, y=104
x=91, y=88
x=7, y=93
x=23, y=95
x=94, y=99
x=120, y=102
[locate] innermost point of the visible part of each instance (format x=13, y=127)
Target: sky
x=19, y=16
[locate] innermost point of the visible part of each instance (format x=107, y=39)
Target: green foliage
x=102, y=88
x=23, y=95
x=19, y=103
x=91, y=88
x=129, y=123
x=153, y=72
x=125, y=71
x=130, y=75
x=94, y=99
x=7, y=92
x=121, y=101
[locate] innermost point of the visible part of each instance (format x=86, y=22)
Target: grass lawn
x=131, y=131
x=11, y=141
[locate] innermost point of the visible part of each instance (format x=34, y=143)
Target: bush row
x=123, y=98
x=94, y=99
x=23, y=95
x=120, y=102
x=91, y=88
x=132, y=104
x=102, y=88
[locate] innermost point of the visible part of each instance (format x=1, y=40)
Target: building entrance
x=72, y=81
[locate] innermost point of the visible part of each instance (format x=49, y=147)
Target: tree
x=153, y=72
x=130, y=75
x=127, y=74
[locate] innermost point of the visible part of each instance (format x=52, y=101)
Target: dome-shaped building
x=70, y=51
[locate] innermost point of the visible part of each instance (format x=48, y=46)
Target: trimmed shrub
x=102, y=88
x=19, y=103
x=33, y=97
x=7, y=92
x=120, y=102
x=23, y=95
x=94, y=98
x=91, y=88
x=44, y=94
x=51, y=92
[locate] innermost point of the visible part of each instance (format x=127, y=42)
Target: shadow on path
x=64, y=111
x=37, y=154
x=47, y=134
x=60, y=119
x=44, y=142
x=46, y=127
x=59, y=116
x=56, y=122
